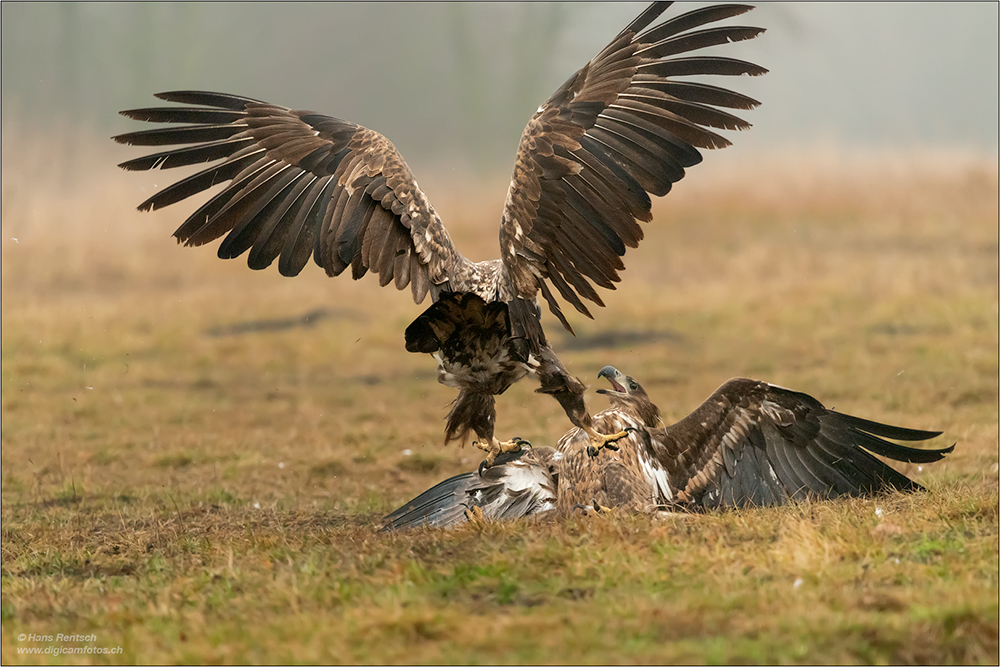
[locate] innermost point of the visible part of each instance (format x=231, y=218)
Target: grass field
x=196, y=456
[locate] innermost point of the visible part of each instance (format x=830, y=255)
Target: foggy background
x=453, y=84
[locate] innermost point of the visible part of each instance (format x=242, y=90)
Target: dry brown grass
x=195, y=491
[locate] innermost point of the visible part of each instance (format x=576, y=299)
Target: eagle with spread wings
x=299, y=184
x=750, y=443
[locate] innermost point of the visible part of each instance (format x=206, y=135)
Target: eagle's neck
x=639, y=408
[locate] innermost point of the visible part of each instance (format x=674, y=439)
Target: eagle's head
x=628, y=395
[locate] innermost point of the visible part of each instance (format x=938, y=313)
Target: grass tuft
x=196, y=456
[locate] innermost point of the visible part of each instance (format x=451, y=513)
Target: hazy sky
x=447, y=79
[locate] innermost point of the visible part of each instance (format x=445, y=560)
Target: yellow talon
x=495, y=448
x=599, y=441
x=596, y=508
x=475, y=516
x=602, y=510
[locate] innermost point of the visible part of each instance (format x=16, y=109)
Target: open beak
x=615, y=377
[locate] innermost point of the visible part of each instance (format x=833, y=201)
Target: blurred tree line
x=441, y=78
x=454, y=83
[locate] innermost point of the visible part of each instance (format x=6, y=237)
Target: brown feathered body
x=749, y=444
x=300, y=184
x=625, y=477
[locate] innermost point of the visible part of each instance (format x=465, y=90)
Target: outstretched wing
x=299, y=184
x=618, y=130
x=517, y=485
x=753, y=443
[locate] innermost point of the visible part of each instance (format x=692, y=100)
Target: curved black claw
x=594, y=507
x=593, y=451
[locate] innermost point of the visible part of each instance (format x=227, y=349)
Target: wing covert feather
x=300, y=184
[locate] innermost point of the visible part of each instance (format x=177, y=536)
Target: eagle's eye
x=632, y=385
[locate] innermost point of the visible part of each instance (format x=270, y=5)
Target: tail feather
x=441, y=506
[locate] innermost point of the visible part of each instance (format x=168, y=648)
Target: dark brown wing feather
x=617, y=131
x=300, y=184
x=755, y=443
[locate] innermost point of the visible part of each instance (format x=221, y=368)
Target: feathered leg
x=568, y=390
x=477, y=412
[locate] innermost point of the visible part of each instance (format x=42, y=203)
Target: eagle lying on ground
x=750, y=443
x=300, y=184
